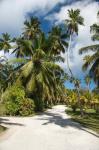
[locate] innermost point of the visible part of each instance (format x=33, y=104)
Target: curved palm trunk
x=89, y=87
x=70, y=40
x=79, y=103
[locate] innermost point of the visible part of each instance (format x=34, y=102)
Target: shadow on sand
x=4, y=121
x=60, y=121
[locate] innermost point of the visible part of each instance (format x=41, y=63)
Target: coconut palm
x=72, y=28
x=91, y=62
x=31, y=28
x=7, y=76
x=57, y=41
x=72, y=25
x=39, y=72
x=23, y=47
x=35, y=65
x=5, y=42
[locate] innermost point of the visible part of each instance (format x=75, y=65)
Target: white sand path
x=52, y=130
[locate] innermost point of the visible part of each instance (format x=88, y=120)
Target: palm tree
x=72, y=27
x=91, y=62
x=57, y=40
x=31, y=28
x=39, y=73
x=7, y=75
x=23, y=47
x=35, y=64
x=5, y=42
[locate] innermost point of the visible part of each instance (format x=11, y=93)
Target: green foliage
x=39, y=104
x=74, y=20
x=88, y=100
x=16, y=103
x=2, y=129
x=2, y=109
x=72, y=100
x=91, y=62
x=27, y=107
x=89, y=120
x=36, y=67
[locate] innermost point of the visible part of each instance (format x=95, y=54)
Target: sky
x=51, y=12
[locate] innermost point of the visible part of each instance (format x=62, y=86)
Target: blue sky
x=51, y=12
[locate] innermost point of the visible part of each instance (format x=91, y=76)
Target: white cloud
x=13, y=12
x=89, y=11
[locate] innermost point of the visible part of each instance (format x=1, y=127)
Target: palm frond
x=93, y=48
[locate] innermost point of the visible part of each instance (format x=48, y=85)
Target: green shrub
x=16, y=103
x=12, y=108
x=27, y=107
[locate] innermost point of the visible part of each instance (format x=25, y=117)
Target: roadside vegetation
x=90, y=120
x=2, y=129
x=32, y=79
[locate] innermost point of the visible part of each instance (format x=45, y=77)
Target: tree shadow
x=63, y=122
x=4, y=121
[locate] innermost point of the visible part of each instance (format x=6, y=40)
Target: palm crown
x=74, y=20
x=31, y=28
x=5, y=42
x=92, y=61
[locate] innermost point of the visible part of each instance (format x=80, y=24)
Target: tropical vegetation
x=33, y=80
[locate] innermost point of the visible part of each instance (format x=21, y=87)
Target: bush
x=73, y=101
x=16, y=103
x=27, y=107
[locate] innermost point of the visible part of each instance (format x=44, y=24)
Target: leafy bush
x=27, y=107
x=72, y=100
x=16, y=103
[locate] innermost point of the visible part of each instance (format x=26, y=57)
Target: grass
x=2, y=113
x=2, y=129
x=2, y=110
x=90, y=119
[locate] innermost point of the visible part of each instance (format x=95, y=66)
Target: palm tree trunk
x=79, y=102
x=70, y=40
x=78, y=93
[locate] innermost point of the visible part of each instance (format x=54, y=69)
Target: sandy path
x=52, y=130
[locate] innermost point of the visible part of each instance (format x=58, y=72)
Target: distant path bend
x=52, y=130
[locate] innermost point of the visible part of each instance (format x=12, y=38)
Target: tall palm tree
x=72, y=27
x=91, y=62
x=39, y=71
x=5, y=42
x=39, y=74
